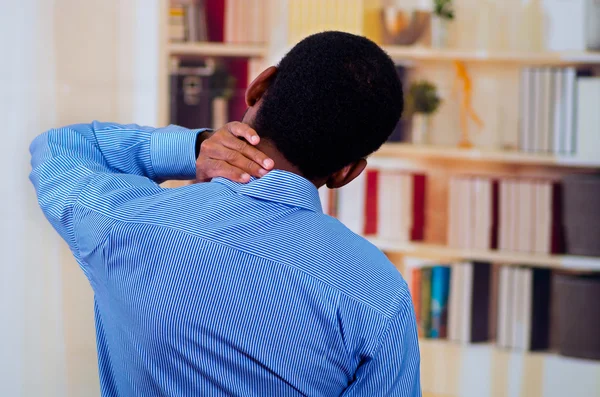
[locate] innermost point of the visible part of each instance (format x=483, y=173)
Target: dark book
x=539, y=338
x=480, y=302
x=579, y=315
x=558, y=236
x=417, y=232
x=191, y=96
x=495, y=215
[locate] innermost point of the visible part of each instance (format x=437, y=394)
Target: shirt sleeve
x=124, y=162
x=394, y=370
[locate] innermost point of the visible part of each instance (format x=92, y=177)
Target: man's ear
x=346, y=174
x=259, y=85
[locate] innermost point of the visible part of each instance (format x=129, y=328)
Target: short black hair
x=336, y=98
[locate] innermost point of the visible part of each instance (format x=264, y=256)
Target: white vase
x=420, y=129
x=439, y=32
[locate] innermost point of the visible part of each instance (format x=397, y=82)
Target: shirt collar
x=280, y=187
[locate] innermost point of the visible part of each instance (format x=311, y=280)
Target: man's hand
x=224, y=154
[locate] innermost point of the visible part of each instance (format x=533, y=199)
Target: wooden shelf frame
x=429, y=152
x=209, y=49
x=421, y=53
x=441, y=253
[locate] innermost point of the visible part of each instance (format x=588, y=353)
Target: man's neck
x=281, y=163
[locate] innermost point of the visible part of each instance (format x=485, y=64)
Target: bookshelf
x=431, y=152
x=217, y=50
x=442, y=253
x=484, y=370
x=426, y=54
x=451, y=369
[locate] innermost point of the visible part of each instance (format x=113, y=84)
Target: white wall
x=63, y=61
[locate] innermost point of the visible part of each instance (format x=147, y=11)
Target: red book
x=495, y=214
x=215, y=17
x=237, y=105
x=370, y=225
x=417, y=232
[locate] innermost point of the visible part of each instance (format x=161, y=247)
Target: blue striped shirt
x=220, y=288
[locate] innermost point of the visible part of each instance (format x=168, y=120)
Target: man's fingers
x=250, y=152
x=234, y=157
x=219, y=168
x=242, y=130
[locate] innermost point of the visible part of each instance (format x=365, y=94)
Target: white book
x=526, y=109
x=543, y=217
x=467, y=301
x=558, y=108
x=452, y=213
x=547, y=116
x=537, y=111
x=408, y=204
x=518, y=308
x=383, y=205
x=398, y=229
x=324, y=195
x=454, y=300
x=469, y=213
x=588, y=118
x=513, y=214
x=229, y=21
x=569, y=135
x=571, y=25
x=255, y=22
x=351, y=200
x=524, y=217
x=512, y=306
x=503, y=308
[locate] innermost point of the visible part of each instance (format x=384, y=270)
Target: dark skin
x=223, y=153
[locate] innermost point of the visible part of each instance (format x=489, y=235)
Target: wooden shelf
x=218, y=50
x=441, y=253
x=427, y=152
x=417, y=53
x=483, y=369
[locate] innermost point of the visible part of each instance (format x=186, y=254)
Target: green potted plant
x=443, y=14
x=423, y=101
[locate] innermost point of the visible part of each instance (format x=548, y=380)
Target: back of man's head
x=336, y=98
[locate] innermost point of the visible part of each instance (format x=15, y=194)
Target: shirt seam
x=378, y=311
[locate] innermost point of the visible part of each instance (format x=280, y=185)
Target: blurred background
x=485, y=197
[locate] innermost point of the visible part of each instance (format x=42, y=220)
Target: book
x=526, y=113
x=587, y=119
x=351, y=204
x=190, y=95
x=440, y=285
x=372, y=187
x=455, y=300
x=580, y=31
x=476, y=302
x=425, y=325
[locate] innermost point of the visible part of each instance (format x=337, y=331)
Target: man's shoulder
x=351, y=264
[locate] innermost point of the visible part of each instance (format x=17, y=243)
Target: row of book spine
x=306, y=17
x=227, y=21
x=510, y=214
x=389, y=205
x=469, y=302
x=555, y=116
